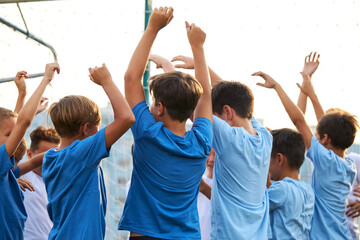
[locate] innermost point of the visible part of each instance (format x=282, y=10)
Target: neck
x=67, y=141
x=176, y=127
x=245, y=123
x=294, y=174
x=339, y=152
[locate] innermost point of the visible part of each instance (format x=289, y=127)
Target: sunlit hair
x=71, y=112
x=178, y=92
x=340, y=126
x=291, y=144
x=234, y=94
x=6, y=113
x=43, y=134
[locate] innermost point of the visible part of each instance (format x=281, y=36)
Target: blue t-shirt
x=331, y=180
x=291, y=209
x=239, y=200
x=75, y=189
x=16, y=172
x=167, y=169
x=12, y=209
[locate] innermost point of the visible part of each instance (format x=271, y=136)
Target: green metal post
x=148, y=10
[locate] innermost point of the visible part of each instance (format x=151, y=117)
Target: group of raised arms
x=252, y=187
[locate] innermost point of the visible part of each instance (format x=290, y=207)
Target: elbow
x=129, y=120
x=24, y=122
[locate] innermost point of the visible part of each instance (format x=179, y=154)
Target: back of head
x=177, y=91
x=291, y=144
x=43, y=134
x=234, y=94
x=71, y=112
x=340, y=126
x=6, y=113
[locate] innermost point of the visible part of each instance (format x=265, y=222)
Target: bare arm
x=28, y=112
x=311, y=63
x=188, y=63
x=21, y=86
x=123, y=115
x=205, y=188
x=161, y=62
x=31, y=164
x=196, y=39
x=295, y=114
x=134, y=91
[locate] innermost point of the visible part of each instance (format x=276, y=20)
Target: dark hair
x=235, y=94
x=291, y=144
x=43, y=134
x=340, y=126
x=71, y=112
x=178, y=92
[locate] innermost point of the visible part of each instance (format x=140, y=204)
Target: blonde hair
x=73, y=111
x=6, y=113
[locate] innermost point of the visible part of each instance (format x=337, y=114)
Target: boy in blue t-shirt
x=72, y=175
x=291, y=202
x=12, y=131
x=333, y=173
x=168, y=161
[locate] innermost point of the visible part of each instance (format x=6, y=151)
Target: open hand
x=100, y=75
x=43, y=105
x=188, y=62
x=161, y=62
x=354, y=209
x=160, y=17
x=25, y=184
x=20, y=81
x=195, y=35
x=306, y=87
x=311, y=63
x=269, y=81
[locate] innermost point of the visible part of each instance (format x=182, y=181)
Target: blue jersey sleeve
x=6, y=163
x=16, y=172
x=92, y=149
x=278, y=194
x=322, y=158
x=144, y=119
x=203, y=130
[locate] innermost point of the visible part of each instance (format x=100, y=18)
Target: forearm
x=168, y=67
x=302, y=102
x=20, y=101
x=319, y=112
x=215, y=78
x=31, y=164
x=205, y=189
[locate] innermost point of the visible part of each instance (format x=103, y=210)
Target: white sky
x=242, y=37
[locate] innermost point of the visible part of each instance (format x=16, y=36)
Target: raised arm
x=134, y=91
x=123, y=115
x=28, y=112
x=188, y=63
x=161, y=62
x=295, y=114
x=31, y=164
x=196, y=39
x=21, y=86
x=311, y=64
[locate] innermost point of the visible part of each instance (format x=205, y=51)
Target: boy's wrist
x=277, y=86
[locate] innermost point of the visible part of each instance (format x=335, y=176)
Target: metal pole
x=148, y=10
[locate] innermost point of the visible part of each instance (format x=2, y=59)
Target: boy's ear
x=84, y=129
x=160, y=109
x=280, y=158
x=325, y=140
x=228, y=111
x=28, y=153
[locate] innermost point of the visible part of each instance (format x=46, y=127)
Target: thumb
x=187, y=25
x=301, y=88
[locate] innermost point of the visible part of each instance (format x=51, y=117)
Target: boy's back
x=239, y=198
x=291, y=209
x=75, y=189
x=331, y=180
x=162, y=201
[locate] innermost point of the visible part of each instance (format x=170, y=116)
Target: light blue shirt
x=165, y=182
x=12, y=208
x=239, y=201
x=331, y=180
x=291, y=209
x=75, y=189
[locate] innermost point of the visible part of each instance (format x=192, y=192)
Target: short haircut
x=6, y=113
x=178, y=92
x=71, y=112
x=340, y=126
x=234, y=94
x=43, y=134
x=291, y=144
